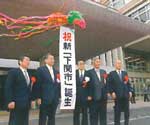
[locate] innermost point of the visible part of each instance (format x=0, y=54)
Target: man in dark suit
x=81, y=95
x=18, y=93
x=121, y=91
x=48, y=85
x=98, y=94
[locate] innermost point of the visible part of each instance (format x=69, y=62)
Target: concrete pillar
x=121, y=57
x=88, y=64
x=103, y=59
x=109, y=58
x=114, y=55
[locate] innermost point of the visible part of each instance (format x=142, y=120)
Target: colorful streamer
x=25, y=27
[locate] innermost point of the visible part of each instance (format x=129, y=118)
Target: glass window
x=118, y=3
x=136, y=63
x=143, y=14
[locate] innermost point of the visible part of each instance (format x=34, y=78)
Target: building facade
x=135, y=60
x=5, y=66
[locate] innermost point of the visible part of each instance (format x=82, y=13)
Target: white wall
x=11, y=63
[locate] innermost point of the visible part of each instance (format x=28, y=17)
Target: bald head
x=118, y=64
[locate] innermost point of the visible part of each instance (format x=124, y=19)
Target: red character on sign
x=67, y=36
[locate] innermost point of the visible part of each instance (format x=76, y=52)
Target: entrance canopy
x=105, y=29
x=142, y=45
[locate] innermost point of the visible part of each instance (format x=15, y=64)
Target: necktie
x=81, y=76
x=52, y=73
x=120, y=75
x=27, y=77
x=99, y=86
x=98, y=75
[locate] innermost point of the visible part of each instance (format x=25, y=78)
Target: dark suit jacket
x=16, y=89
x=82, y=92
x=120, y=87
x=97, y=88
x=47, y=89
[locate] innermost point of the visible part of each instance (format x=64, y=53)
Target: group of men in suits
x=20, y=94
x=93, y=88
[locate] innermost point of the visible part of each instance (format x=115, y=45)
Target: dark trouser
x=98, y=111
x=47, y=111
x=146, y=99
x=133, y=99
x=121, y=105
x=76, y=114
x=19, y=116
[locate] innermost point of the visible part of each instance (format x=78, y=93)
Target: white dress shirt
x=81, y=73
x=50, y=68
x=98, y=73
x=119, y=73
x=26, y=75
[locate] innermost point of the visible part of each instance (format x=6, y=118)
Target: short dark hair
x=46, y=56
x=80, y=61
x=21, y=58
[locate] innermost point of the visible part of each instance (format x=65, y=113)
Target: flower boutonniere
x=126, y=79
x=33, y=80
x=86, y=80
x=105, y=75
x=58, y=78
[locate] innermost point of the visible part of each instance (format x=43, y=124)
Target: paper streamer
x=25, y=27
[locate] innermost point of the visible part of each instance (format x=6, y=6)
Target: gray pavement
x=139, y=115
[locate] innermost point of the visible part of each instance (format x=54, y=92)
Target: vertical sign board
x=67, y=68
